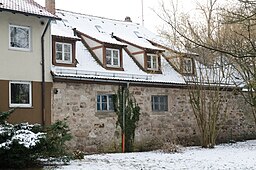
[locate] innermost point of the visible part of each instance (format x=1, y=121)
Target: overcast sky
x=118, y=9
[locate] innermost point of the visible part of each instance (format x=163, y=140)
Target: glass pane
x=104, y=106
x=149, y=61
x=67, y=48
x=156, y=99
x=104, y=98
x=111, y=103
x=19, y=93
x=67, y=56
x=98, y=106
x=98, y=98
x=154, y=61
x=115, y=54
x=115, y=61
x=108, y=60
x=19, y=37
x=108, y=53
x=161, y=107
x=188, y=66
x=59, y=47
x=58, y=56
x=156, y=106
x=111, y=106
x=162, y=99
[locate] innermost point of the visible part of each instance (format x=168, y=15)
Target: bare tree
x=229, y=32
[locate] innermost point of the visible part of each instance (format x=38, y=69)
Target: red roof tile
x=28, y=7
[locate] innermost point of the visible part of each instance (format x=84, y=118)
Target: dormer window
x=113, y=57
x=63, y=51
x=187, y=66
x=152, y=62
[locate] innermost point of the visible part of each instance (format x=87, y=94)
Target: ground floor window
x=105, y=102
x=20, y=94
x=159, y=103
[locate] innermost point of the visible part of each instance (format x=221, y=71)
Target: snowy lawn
x=241, y=155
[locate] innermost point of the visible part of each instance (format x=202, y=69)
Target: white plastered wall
x=24, y=65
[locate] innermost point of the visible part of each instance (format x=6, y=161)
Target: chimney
x=50, y=6
x=128, y=19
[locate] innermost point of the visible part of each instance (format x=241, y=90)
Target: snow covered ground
x=241, y=155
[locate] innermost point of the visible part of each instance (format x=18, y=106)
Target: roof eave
x=109, y=80
x=29, y=14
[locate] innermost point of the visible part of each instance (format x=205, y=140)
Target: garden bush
x=23, y=145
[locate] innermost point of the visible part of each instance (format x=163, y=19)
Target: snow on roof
x=26, y=7
x=94, y=27
x=89, y=68
x=104, y=30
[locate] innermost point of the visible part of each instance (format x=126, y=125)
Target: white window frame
x=63, y=53
x=153, y=103
x=29, y=38
x=184, y=70
x=30, y=94
x=151, y=61
x=112, y=57
x=100, y=102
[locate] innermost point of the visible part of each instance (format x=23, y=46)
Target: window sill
x=63, y=62
x=159, y=113
x=105, y=114
x=21, y=107
x=114, y=68
x=20, y=49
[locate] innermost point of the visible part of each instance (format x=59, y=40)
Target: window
x=112, y=57
x=105, y=102
x=20, y=94
x=138, y=34
x=187, y=65
x=159, y=103
x=19, y=37
x=63, y=52
x=99, y=28
x=152, y=62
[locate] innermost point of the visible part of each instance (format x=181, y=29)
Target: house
x=92, y=56
x=64, y=65
x=25, y=80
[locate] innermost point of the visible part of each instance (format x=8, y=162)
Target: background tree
x=226, y=30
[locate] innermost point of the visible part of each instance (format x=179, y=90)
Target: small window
x=63, y=52
x=138, y=34
x=159, y=103
x=152, y=62
x=187, y=65
x=19, y=37
x=112, y=57
x=99, y=28
x=20, y=94
x=105, y=102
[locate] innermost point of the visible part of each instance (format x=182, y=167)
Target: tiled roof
x=28, y=7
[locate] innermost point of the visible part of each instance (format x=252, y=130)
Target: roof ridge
x=100, y=17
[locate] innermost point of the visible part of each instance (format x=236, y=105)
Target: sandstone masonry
x=95, y=131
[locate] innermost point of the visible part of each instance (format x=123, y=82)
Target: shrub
x=22, y=145
x=56, y=136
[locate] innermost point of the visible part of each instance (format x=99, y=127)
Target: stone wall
x=97, y=132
